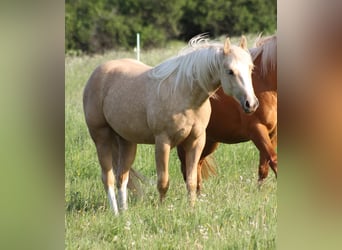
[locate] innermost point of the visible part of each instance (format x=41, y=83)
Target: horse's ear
x=243, y=42
x=226, y=47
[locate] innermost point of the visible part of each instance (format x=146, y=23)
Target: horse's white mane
x=195, y=63
x=267, y=47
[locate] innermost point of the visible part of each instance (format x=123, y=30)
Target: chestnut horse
x=229, y=124
x=127, y=103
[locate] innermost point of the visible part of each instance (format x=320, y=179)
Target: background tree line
x=97, y=25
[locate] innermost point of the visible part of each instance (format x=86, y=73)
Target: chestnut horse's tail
x=208, y=167
x=136, y=179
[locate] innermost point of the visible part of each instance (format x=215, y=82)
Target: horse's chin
x=248, y=111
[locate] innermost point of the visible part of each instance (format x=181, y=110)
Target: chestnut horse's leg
x=274, y=140
x=127, y=152
x=268, y=156
x=162, y=154
x=210, y=146
x=103, y=140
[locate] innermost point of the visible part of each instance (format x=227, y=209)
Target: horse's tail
x=208, y=167
x=135, y=182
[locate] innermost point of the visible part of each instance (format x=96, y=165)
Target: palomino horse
x=229, y=124
x=128, y=103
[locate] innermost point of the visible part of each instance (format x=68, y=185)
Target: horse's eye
x=230, y=72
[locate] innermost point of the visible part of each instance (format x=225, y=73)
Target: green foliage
x=96, y=26
x=233, y=17
x=100, y=25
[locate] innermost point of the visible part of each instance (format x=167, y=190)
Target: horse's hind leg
x=135, y=178
x=103, y=140
x=127, y=151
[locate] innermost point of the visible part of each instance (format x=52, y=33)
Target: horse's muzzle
x=250, y=106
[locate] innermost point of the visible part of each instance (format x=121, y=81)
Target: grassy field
x=232, y=213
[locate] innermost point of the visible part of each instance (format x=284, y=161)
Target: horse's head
x=236, y=76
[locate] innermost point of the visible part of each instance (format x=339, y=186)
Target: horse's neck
x=194, y=80
x=198, y=95
x=198, y=92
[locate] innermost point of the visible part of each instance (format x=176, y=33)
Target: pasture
x=232, y=213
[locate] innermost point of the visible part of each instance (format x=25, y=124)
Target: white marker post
x=138, y=46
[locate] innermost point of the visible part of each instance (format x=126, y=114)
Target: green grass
x=232, y=213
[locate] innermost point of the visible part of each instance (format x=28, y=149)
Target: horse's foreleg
x=103, y=142
x=127, y=151
x=162, y=154
x=209, y=147
x=263, y=168
x=193, y=151
x=268, y=156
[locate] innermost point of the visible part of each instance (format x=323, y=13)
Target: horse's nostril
x=247, y=104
